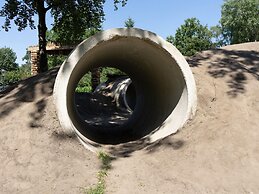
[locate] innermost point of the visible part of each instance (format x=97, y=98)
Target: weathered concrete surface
x=165, y=87
x=121, y=91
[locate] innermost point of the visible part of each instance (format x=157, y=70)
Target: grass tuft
x=99, y=188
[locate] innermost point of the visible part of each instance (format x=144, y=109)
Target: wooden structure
x=52, y=49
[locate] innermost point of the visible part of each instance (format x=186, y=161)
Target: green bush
x=9, y=77
x=84, y=85
x=25, y=71
x=55, y=60
x=192, y=37
x=109, y=71
x=7, y=60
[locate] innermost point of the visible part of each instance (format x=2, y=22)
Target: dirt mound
x=217, y=152
x=35, y=155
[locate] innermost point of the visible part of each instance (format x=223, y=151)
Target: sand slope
x=217, y=152
x=35, y=156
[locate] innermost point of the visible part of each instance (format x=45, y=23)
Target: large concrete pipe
x=164, y=85
x=121, y=91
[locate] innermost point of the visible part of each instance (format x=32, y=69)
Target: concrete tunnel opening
x=130, y=97
x=162, y=93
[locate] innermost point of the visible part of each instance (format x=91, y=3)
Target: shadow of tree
x=233, y=64
x=127, y=149
x=61, y=135
x=38, y=113
x=172, y=143
x=34, y=89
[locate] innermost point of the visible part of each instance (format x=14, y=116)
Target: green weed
x=99, y=188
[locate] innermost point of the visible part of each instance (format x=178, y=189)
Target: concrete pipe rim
x=83, y=56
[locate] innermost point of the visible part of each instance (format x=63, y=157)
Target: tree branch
x=48, y=8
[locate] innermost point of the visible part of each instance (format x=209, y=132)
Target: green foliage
x=77, y=17
x=116, y=2
x=55, y=60
x=10, y=73
x=192, y=37
x=129, y=23
x=26, y=57
x=72, y=14
x=219, y=40
x=52, y=36
x=85, y=85
x=99, y=188
x=56, y=37
x=7, y=60
x=106, y=160
x=90, y=32
x=240, y=21
x=9, y=77
x=21, y=12
x=170, y=39
x=13, y=76
x=82, y=20
x=108, y=72
x=25, y=71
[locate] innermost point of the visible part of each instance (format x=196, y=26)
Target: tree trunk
x=95, y=81
x=43, y=63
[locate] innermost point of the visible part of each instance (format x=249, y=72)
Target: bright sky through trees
x=160, y=16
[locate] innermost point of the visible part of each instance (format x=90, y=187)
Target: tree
x=217, y=35
x=7, y=60
x=57, y=36
x=129, y=23
x=8, y=67
x=26, y=57
x=75, y=15
x=240, y=21
x=8, y=78
x=170, y=39
x=25, y=68
x=25, y=71
x=192, y=37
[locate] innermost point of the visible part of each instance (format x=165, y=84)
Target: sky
x=162, y=17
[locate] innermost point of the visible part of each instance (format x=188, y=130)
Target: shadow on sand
x=229, y=63
x=32, y=90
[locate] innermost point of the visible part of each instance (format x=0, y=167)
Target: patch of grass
x=106, y=160
x=99, y=188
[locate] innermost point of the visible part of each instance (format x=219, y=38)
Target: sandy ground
x=217, y=152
